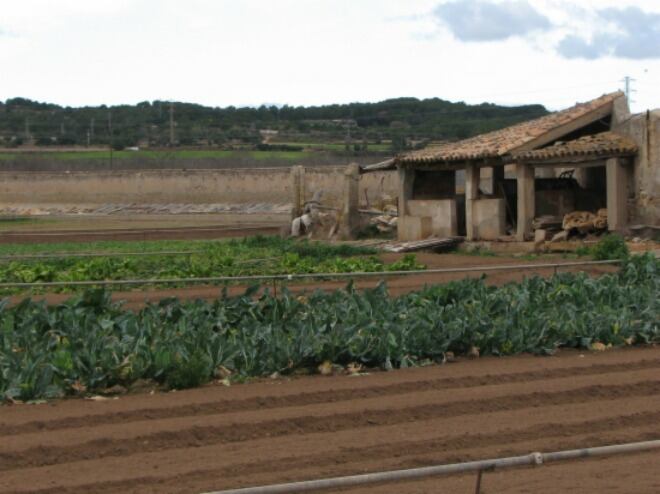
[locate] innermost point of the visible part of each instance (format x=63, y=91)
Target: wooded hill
x=402, y=121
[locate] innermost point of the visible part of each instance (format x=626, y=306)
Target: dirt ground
x=281, y=430
x=141, y=227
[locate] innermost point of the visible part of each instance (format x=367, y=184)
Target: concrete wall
x=165, y=160
x=644, y=177
x=331, y=181
x=489, y=218
x=442, y=213
x=239, y=186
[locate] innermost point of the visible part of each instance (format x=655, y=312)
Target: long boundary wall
x=232, y=186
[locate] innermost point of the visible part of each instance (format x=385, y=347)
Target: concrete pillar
x=617, y=195
x=526, y=200
x=471, y=194
x=297, y=190
x=350, y=218
x=406, y=179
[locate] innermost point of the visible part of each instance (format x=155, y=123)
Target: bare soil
x=280, y=430
x=87, y=228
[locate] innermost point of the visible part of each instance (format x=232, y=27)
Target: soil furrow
x=204, y=479
x=307, y=398
x=195, y=436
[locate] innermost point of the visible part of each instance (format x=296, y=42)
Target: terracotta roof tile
x=501, y=142
x=603, y=144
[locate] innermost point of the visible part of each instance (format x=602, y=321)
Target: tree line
x=401, y=121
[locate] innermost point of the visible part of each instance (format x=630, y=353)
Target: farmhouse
x=590, y=157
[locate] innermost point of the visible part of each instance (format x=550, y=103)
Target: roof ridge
x=500, y=142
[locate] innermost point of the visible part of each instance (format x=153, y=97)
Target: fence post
x=350, y=216
x=297, y=190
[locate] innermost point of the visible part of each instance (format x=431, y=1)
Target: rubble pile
x=576, y=223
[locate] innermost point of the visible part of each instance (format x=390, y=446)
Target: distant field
x=159, y=155
x=334, y=146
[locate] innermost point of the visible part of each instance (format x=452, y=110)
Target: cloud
x=634, y=34
x=483, y=20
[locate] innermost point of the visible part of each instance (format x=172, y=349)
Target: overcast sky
x=303, y=52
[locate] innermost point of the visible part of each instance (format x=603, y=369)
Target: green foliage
x=189, y=372
x=48, y=351
x=479, y=250
x=582, y=251
x=400, y=120
x=612, y=246
x=258, y=255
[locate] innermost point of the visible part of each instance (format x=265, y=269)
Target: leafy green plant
x=259, y=255
x=611, y=246
x=91, y=342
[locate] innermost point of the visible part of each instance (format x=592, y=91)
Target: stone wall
x=232, y=186
x=644, y=193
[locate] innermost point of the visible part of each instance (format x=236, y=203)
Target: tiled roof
x=501, y=142
x=603, y=144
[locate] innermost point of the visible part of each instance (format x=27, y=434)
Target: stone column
x=350, y=218
x=526, y=200
x=406, y=179
x=297, y=190
x=617, y=195
x=471, y=195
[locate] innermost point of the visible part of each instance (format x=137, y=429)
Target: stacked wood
x=585, y=222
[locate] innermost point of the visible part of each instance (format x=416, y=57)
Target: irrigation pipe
x=536, y=459
x=305, y=276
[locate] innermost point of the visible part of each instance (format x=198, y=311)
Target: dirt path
x=309, y=427
x=141, y=233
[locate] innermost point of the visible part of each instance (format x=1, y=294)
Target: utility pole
x=171, y=124
x=91, y=128
x=628, y=90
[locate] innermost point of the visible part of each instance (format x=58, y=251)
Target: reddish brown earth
x=119, y=234
x=283, y=430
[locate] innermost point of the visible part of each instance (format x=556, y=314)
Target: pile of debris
x=577, y=223
x=433, y=244
x=386, y=220
x=318, y=220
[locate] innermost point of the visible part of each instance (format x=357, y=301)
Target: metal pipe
x=472, y=466
x=290, y=277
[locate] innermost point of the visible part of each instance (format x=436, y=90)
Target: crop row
x=250, y=256
x=90, y=343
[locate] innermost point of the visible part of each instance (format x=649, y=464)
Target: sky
x=311, y=52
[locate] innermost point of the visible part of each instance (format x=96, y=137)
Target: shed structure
x=583, y=138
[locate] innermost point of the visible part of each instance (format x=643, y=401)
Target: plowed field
x=309, y=427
